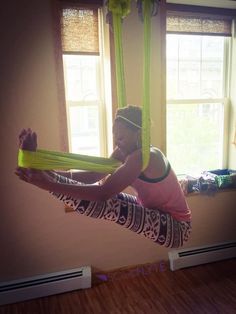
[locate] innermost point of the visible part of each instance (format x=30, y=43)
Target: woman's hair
x=131, y=116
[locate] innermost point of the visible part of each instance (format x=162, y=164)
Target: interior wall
x=36, y=235
x=213, y=218
x=28, y=99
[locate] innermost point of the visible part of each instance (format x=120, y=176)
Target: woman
x=158, y=211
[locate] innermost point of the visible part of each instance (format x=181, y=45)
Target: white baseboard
x=45, y=285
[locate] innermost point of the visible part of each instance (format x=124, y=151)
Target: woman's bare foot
x=28, y=140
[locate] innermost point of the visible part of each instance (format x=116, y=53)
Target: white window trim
x=104, y=93
x=102, y=107
x=225, y=101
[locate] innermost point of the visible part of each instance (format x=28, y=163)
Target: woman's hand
x=39, y=178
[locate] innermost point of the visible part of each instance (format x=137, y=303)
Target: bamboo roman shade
x=199, y=24
x=79, y=30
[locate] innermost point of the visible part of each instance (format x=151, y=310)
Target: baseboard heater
x=182, y=258
x=45, y=285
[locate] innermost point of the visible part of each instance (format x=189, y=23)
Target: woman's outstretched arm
x=112, y=185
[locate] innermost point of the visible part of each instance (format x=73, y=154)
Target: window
x=196, y=100
x=81, y=31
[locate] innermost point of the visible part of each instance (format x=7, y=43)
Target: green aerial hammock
x=49, y=160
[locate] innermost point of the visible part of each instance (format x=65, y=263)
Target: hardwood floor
x=149, y=289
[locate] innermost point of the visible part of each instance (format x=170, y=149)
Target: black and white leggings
x=124, y=210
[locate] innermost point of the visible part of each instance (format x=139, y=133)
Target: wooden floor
x=203, y=289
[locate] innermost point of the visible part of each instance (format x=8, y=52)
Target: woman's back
x=158, y=188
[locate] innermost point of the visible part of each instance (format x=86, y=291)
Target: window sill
x=212, y=193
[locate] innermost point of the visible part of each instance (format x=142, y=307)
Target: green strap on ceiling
x=120, y=76
x=119, y=10
x=49, y=160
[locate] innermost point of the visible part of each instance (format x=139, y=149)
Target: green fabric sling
x=52, y=160
x=49, y=160
x=146, y=84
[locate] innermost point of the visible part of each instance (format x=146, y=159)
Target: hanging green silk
x=49, y=160
x=119, y=10
x=146, y=84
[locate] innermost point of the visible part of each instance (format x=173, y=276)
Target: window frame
x=103, y=101
x=224, y=100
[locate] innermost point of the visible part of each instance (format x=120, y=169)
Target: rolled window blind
x=79, y=30
x=199, y=24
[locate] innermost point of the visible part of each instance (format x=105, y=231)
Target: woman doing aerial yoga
x=159, y=210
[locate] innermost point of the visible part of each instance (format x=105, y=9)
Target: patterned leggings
x=124, y=210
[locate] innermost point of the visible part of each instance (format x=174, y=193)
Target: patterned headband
x=130, y=122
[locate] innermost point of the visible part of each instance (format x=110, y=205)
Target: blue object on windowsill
x=222, y=172
x=224, y=178
x=210, y=182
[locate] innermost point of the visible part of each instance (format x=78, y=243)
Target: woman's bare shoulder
x=158, y=154
x=157, y=164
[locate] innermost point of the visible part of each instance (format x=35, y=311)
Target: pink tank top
x=163, y=193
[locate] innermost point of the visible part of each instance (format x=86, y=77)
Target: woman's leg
x=124, y=210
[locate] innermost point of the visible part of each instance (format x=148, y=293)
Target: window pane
x=194, y=137
x=195, y=67
x=189, y=79
x=84, y=126
x=212, y=48
x=81, y=77
x=172, y=47
x=173, y=73
x=212, y=79
x=82, y=83
x=189, y=47
x=195, y=71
